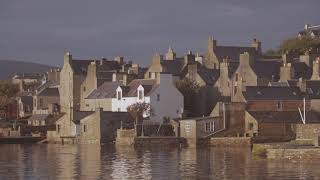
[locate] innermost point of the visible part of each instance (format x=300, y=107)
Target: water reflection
x=107, y=162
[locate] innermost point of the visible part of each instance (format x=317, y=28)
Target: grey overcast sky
x=41, y=30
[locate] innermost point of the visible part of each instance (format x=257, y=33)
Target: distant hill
x=9, y=67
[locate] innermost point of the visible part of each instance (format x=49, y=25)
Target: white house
x=164, y=98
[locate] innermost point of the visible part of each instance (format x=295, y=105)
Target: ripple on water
x=107, y=162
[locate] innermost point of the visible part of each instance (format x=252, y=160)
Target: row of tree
x=7, y=92
x=297, y=45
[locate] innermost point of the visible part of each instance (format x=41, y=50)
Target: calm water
x=95, y=162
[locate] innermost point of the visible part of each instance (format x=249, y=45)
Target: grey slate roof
x=232, y=52
x=285, y=116
x=106, y=90
x=267, y=69
x=39, y=117
x=272, y=93
x=78, y=115
x=148, y=85
x=173, y=67
x=313, y=89
x=210, y=76
x=50, y=92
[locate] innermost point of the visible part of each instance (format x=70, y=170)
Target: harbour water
x=48, y=161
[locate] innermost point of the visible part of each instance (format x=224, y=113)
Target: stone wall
x=306, y=131
x=230, y=142
x=307, y=154
x=125, y=137
x=163, y=142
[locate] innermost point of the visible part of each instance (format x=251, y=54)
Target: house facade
x=112, y=96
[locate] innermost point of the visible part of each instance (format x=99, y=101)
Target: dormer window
x=140, y=94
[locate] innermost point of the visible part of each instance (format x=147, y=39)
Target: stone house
x=25, y=106
x=215, y=54
x=310, y=31
x=172, y=64
x=101, y=126
x=197, y=129
x=28, y=82
x=113, y=96
x=89, y=127
x=271, y=111
x=47, y=100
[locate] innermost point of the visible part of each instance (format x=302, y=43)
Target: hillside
x=9, y=67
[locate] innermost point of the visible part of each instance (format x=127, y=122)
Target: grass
x=259, y=151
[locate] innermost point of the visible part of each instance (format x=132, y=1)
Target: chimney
x=189, y=58
x=119, y=59
x=315, y=72
x=246, y=59
x=286, y=72
x=257, y=45
x=224, y=66
x=157, y=58
x=171, y=55
x=67, y=58
x=212, y=44
x=192, y=71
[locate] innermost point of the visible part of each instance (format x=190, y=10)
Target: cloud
x=42, y=30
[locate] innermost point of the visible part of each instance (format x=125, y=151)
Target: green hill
x=9, y=67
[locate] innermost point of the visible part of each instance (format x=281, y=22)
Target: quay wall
x=159, y=142
x=297, y=154
x=230, y=142
x=307, y=131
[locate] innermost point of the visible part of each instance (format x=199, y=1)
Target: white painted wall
x=171, y=100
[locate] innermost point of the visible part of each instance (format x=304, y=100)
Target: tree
x=7, y=92
x=299, y=45
x=137, y=111
x=186, y=86
x=189, y=90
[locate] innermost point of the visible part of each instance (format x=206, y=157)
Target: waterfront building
x=113, y=96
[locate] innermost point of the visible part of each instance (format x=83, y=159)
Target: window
x=155, y=75
x=279, y=105
x=150, y=74
x=119, y=109
x=140, y=94
x=58, y=128
x=119, y=95
x=84, y=88
x=209, y=127
x=237, y=77
x=41, y=102
x=250, y=126
x=158, y=97
x=235, y=90
x=87, y=105
x=84, y=128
